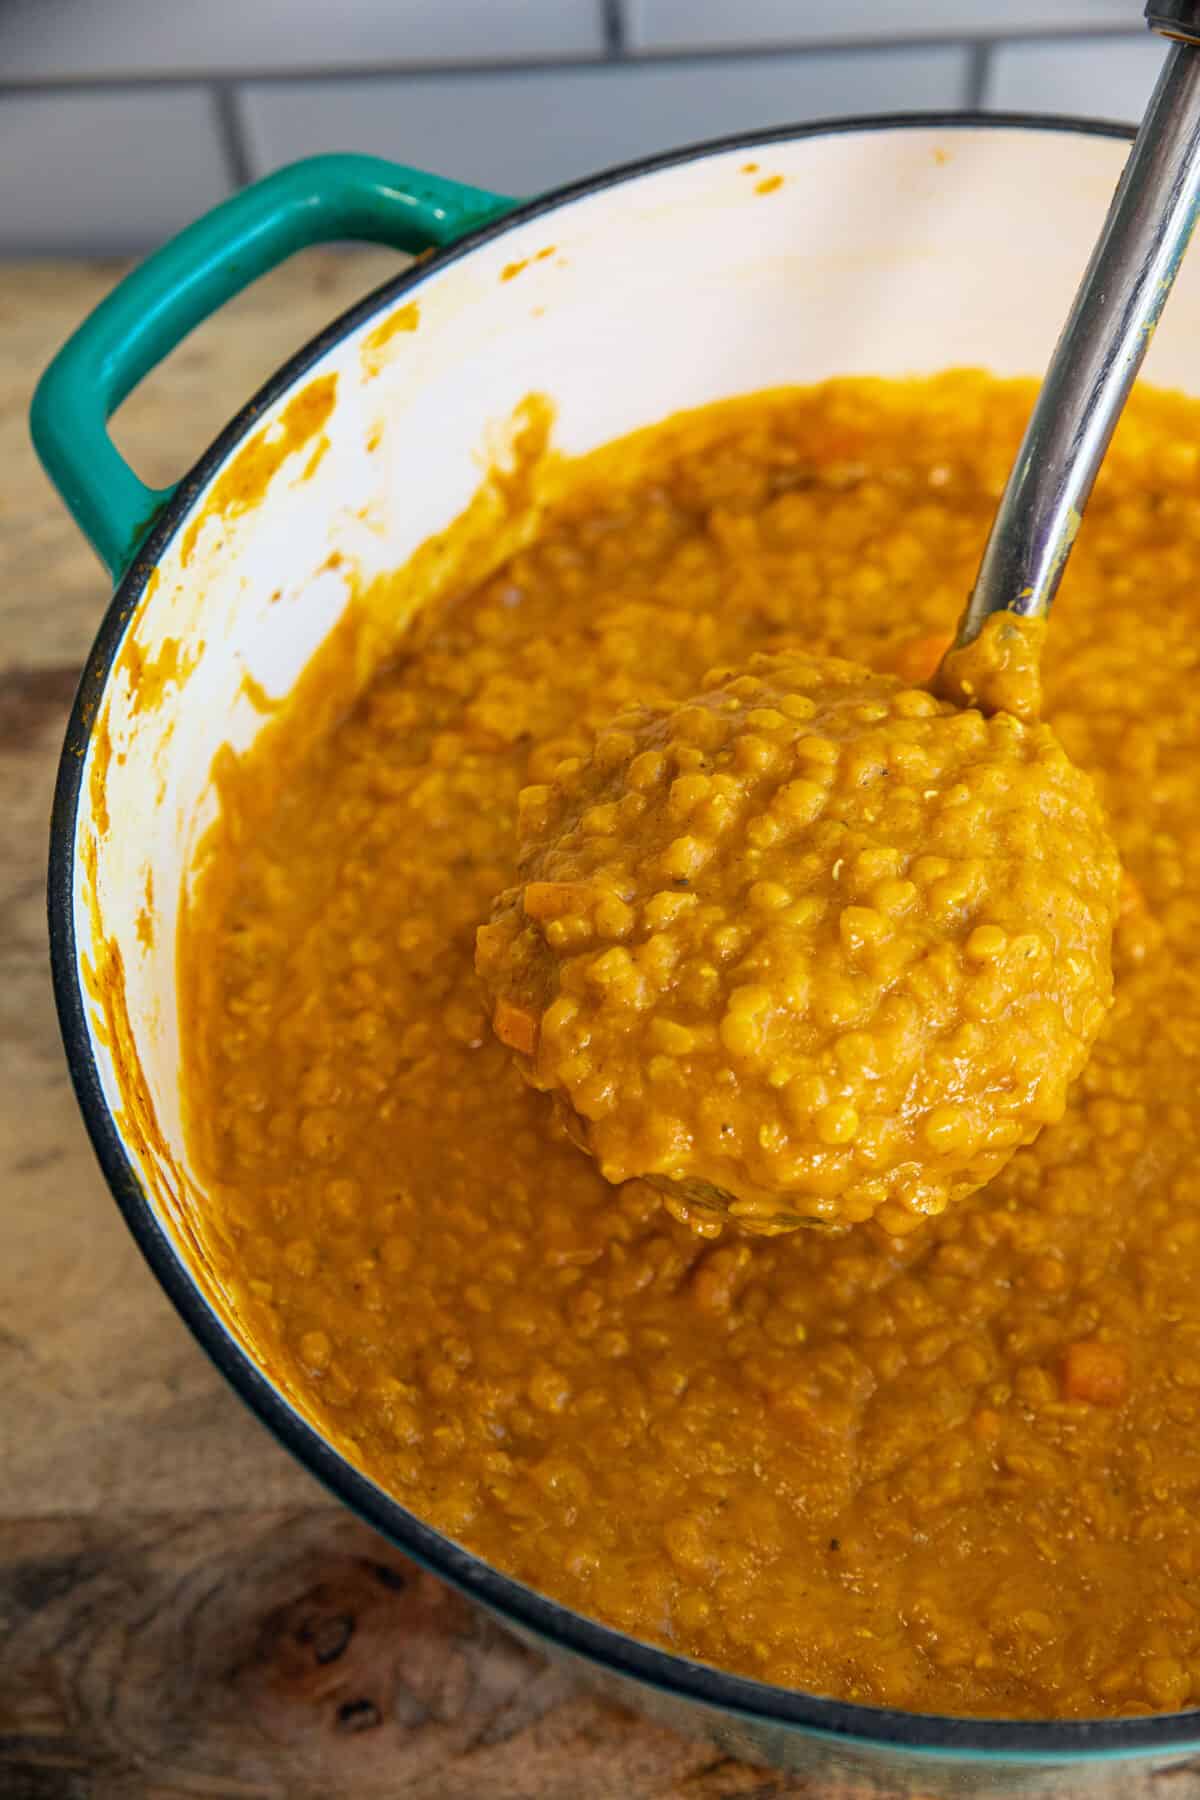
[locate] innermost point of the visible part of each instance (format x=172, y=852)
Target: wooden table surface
x=183, y=1612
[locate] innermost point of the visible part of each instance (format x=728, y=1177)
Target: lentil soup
x=809, y=947
x=955, y=1470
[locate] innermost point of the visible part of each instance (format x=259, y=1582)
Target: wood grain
x=290, y=1653
x=183, y=1615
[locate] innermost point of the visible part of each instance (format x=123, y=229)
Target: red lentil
x=809, y=947
x=955, y=1470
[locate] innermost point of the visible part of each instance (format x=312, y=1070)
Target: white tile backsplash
x=1100, y=78
x=74, y=39
x=108, y=171
x=655, y=25
x=522, y=133
x=120, y=119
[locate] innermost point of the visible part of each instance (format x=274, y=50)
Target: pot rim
x=1021, y=1740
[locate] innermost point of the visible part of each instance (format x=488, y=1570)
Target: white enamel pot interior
x=887, y=247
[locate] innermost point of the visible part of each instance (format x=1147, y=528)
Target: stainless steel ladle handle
x=1096, y=360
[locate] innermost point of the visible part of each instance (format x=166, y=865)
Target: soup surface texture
x=954, y=1470
x=810, y=946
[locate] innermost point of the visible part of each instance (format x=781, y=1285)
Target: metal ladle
x=1094, y=366
x=1103, y=342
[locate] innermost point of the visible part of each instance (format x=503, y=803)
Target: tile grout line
x=979, y=57
x=234, y=148
x=613, y=15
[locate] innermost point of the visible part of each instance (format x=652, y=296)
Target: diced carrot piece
x=552, y=899
x=916, y=658
x=1095, y=1373
x=516, y=1027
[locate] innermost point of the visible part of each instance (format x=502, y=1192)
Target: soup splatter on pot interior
x=955, y=1470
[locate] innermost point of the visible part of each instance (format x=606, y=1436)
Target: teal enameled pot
x=890, y=246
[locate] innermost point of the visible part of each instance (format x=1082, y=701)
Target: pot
x=893, y=246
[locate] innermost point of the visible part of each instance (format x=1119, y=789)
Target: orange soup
x=956, y=1469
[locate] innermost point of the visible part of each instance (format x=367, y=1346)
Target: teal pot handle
x=317, y=201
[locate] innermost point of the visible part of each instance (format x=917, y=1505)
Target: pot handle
x=318, y=200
